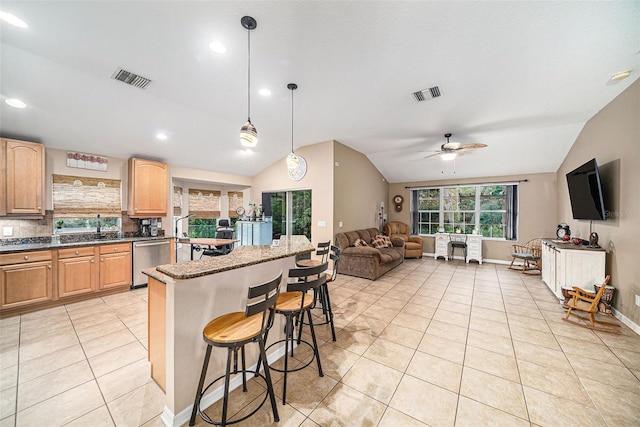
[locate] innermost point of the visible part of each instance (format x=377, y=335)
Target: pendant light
x=292, y=159
x=248, y=132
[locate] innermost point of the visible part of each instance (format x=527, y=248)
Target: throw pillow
x=360, y=242
x=378, y=242
x=387, y=240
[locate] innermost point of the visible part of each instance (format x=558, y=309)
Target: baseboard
x=490, y=261
x=624, y=319
x=181, y=418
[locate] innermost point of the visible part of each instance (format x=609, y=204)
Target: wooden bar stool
x=322, y=251
x=232, y=331
x=293, y=304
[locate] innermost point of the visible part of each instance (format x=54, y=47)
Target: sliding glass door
x=290, y=211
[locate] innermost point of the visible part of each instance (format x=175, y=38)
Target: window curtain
x=511, y=232
x=414, y=212
x=84, y=197
x=177, y=200
x=235, y=201
x=204, y=203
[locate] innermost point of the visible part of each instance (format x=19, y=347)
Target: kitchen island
x=184, y=297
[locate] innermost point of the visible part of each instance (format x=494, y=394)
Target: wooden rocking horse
x=588, y=302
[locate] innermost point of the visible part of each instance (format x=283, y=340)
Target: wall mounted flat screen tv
x=585, y=192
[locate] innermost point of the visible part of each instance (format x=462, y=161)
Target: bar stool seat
x=233, y=331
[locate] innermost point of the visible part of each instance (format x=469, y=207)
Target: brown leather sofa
x=412, y=244
x=367, y=262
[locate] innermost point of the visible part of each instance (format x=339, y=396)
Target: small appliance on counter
x=144, y=227
x=153, y=227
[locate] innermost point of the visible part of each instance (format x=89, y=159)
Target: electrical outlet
x=638, y=300
x=7, y=231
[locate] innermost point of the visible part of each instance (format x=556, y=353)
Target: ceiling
x=521, y=77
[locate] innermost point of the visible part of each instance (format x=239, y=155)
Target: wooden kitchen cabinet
x=23, y=172
x=77, y=271
x=115, y=265
x=25, y=278
x=148, y=188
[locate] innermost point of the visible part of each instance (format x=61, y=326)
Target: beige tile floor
x=431, y=343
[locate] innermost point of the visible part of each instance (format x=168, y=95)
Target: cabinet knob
x=26, y=257
x=93, y=261
x=77, y=252
x=49, y=267
x=101, y=259
x=115, y=249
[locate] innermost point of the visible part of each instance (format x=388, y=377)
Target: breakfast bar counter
x=184, y=297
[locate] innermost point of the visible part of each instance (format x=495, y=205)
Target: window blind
x=177, y=200
x=235, y=201
x=83, y=197
x=204, y=203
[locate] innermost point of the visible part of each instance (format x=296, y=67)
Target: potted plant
x=59, y=224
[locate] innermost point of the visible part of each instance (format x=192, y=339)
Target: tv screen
x=585, y=192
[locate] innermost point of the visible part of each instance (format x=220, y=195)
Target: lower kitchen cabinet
x=25, y=278
x=115, y=265
x=77, y=271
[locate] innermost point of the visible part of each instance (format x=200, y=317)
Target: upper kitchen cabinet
x=148, y=188
x=22, y=170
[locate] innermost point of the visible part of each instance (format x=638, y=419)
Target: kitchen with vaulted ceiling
x=164, y=184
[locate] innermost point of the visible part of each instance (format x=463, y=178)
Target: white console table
x=565, y=265
x=474, y=247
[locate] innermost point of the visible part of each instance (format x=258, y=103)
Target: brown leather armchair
x=412, y=244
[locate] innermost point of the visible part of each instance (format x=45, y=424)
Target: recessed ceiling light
x=218, y=47
x=15, y=103
x=161, y=136
x=265, y=92
x=621, y=75
x=13, y=20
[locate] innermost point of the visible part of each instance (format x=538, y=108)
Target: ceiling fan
x=450, y=150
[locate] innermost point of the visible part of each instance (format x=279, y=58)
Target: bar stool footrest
x=299, y=368
x=256, y=373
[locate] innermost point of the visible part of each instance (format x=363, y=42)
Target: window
x=489, y=209
x=77, y=201
x=204, y=208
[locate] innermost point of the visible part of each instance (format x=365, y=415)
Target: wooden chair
x=531, y=256
x=588, y=302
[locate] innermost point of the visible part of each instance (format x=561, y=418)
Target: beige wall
x=612, y=137
x=319, y=180
x=537, y=207
x=358, y=191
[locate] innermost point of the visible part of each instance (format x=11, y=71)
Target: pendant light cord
x=292, y=121
x=249, y=77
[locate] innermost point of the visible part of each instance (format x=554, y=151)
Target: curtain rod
x=470, y=183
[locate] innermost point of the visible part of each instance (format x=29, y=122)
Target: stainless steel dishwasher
x=147, y=254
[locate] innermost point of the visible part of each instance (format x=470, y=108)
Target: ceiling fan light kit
x=248, y=132
x=450, y=150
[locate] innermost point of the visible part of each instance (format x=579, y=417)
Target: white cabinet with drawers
x=474, y=247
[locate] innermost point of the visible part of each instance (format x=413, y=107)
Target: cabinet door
x=27, y=283
x=77, y=276
x=115, y=270
x=25, y=177
x=148, y=188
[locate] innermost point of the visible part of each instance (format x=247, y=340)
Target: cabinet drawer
x=21, y=257
x=75, y=252
x=115, y=248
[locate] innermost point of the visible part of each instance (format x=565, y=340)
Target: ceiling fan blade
x=475, y=146
x=433, y=155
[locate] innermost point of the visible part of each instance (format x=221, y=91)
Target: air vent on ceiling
x=131, y=78
x=426, y=94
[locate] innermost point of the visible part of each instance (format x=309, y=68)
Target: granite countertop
x=242, y=256
x=6, y=249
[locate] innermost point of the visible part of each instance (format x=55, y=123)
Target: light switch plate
x=7, y=231
x=322, y=223
x=340, y=224
x=638, y=300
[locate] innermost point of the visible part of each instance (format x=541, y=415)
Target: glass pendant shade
x=292, y=160
x=248, y=135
